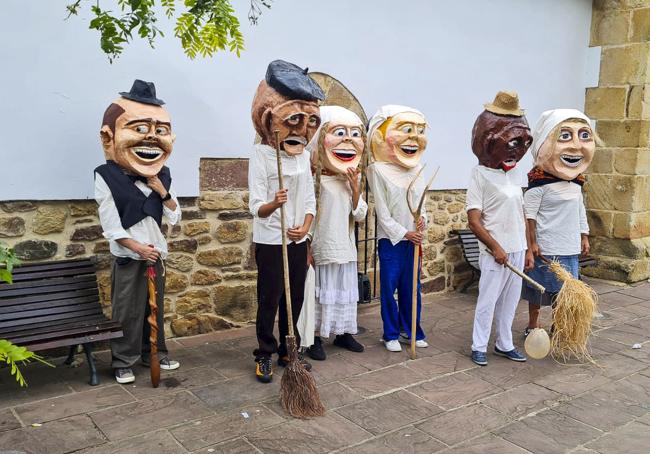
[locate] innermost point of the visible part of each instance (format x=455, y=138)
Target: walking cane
x=298, y=393
x=522, y=275
x=417, y=214
x=154, y=364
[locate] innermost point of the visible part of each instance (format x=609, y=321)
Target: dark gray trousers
x=130, y=306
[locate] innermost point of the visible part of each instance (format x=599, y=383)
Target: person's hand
x=297, y=233
x=500, y=255
x=353, y=178
x=584, y=245
x=414, y=237
x=156, y=185
x=530, y=261
x=280, y=197
x=421, y=224
x=148, y=252
x=534, y=249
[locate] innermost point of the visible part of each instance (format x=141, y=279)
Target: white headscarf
x=384, y=113
x=547, y=122
x=328, y=114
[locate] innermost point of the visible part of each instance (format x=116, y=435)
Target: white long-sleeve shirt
x=389, y=184
x=498, y=196
x=333, y=235
x=263, y=184
x=559, y=211
x=146, y=231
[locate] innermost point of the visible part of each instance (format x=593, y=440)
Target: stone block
x=603, y=161
x=241, y=276
x=179, y=261
x=429, y=252
x=627, y=133
x=632, y=161
x=176, y=231
x=217, y=174
x=640, y=25
x=234, y=215
x=11, y=226
x=436, y=268
x=624, y=64
x=196, y=228
x=598, y=195
x=49, y=219
x=205, y=277
x=441, y=218
x=194, y=302
x=204, y=239
x=224, y=200
x=190, y=215
x=600, y=222
x=19, y=206
x=230, y=255
x=74, y=250
x=185, y=245
x=638, y=103
x=101, y=246
x=90, y=233
x=104, y=286
x=236, y=302
x=35, y=249
x=81, y=209
x=175, y=282
x=612, y=247
x=620, y=269
x=606, y=102
x=456, y=207
x=198, y=324
x=188, y=202
x=609, y=27
x=232, y=231
x=434, y=285
x=631, y=225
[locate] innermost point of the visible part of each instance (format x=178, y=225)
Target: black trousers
x=270, y=294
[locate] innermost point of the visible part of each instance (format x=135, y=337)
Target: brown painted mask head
x=396, y=135
x=286, y=106
x=136, y=131
x=501, y=135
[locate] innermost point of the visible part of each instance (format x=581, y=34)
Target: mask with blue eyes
x=568, y=150
x=340, y=145
x=400, y=140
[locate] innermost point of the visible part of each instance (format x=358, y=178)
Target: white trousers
x=499, y=291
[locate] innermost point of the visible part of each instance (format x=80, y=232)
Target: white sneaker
x=124, y=375
x=418, y=343
x=393, y=346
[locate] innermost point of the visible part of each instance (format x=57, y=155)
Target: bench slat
x=47, y=318
x=45, y=266
x=54, y=273
x=53, y=298
x=81, y=304
x=74, y=340
x=53, y=325
x=80, y=330
x=51, y=289
x=90, y=277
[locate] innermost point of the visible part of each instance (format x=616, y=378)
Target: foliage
x=7, y=262
x=13, y=354
x=206, y=27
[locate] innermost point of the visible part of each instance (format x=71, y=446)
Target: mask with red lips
x=500, y=141
x=340, y=141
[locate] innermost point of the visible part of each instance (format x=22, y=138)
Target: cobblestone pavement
x=377, y=401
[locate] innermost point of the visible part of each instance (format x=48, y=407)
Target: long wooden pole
x=154, y=363
x=414, y=295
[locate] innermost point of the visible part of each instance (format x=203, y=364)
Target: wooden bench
x=55, y=304
x=469, y=245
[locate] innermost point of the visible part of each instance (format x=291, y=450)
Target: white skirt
x=337, y=294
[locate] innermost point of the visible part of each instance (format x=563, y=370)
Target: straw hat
x=505, y=103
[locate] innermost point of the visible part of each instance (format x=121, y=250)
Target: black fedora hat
x=144, y=92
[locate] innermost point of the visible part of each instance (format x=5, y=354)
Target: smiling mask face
x=341, y=145
x=400, y=140
x=568, y=150
x=141, y=140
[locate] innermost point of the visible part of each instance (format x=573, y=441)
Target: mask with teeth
x=500, y=141
x=138, y=136
x=400, y=139
x=340, y=141
x=568, y=150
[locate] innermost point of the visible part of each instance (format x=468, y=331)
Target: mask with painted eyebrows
x=400, y=139
x=568, y=150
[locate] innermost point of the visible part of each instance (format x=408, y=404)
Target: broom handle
x=285, y=256
x=525, y=277
x=414, y=298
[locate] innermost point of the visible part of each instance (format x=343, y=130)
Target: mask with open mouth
x=340, y=141
x=137, y=136
x=568, y=150
x=399, y=138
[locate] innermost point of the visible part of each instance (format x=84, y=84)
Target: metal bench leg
x=88, y=349
x=70, y=359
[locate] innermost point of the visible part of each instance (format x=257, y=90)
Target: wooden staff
x=522, y=275
x=417, y=214
x=154, y=363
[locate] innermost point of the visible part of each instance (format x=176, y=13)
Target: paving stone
x=55, y=437
x=238, y=392
x=602, y=287
x=42, y=384
x=135, y=418
x=442, y=364
x=454, y=390
x=638, y=291
x=407, y=440
x=573, y=380
x=619, y=299
x=159, y=442
x=627, y=334
x=630, y=439
x=522, y=400
x=73, y=404
x=645, y=419
x=338, y=367
x=614, y=317
x=318, y=435
x=487, y=444
x=510, y=374
x=8, y=421
x=232, y=424
x=179, y=380
x=374, y=357
x=617, y=366
x=335, y=395
x=388, y=412
x=238, y=446
x=383, y=380
x=548, y=432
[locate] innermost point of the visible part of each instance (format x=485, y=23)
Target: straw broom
x=154, y=363
x=298, y=394
x=575, y=306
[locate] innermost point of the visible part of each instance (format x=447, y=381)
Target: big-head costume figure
x=134, y=192
x=563, y=147
x=500, y=138
x=336, y=151
x=397, y=142
x=286, y=116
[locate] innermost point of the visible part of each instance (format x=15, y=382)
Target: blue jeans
x=396, y=273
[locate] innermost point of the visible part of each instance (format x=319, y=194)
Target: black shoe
x=283, y=361
x=264, y=369
x=349, y=342
x=316, y=351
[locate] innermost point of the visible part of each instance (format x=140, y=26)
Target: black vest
x=132, y=205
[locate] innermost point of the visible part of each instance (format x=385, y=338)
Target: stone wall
x=211, y=268
x=618, y=189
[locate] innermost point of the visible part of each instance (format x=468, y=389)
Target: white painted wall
x=445, y=58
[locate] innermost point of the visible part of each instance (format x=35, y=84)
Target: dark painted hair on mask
x=111, y=115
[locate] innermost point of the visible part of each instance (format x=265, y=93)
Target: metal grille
x=366, y=242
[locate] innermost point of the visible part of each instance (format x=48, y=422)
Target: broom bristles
x=574, y=309
x=298, y=394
